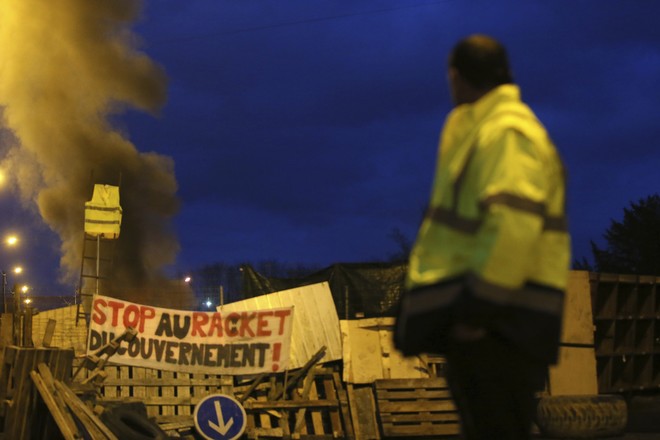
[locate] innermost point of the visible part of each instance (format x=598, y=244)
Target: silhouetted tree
x=582, y=264
x=403, y=243
x=633, y=244
x=208, y=281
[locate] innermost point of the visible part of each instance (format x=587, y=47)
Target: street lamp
x=11, y=240
x=24, y=290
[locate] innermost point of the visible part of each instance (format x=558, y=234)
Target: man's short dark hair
x=482, y=61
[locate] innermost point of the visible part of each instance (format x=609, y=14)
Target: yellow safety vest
x=103, y=213
x=496, y=223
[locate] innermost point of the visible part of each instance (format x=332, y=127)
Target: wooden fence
x=416, y=407
x=312, y=405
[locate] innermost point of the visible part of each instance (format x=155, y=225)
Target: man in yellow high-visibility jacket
x=489, y=267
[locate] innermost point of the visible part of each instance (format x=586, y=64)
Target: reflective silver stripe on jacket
x=541, y=299
x=530, y=296
x=451, y=218
x=102, y=222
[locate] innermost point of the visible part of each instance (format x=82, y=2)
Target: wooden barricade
x=313, y=406
x=23, y=413
x=316, y=409
x=164, y=393
x=415, y=408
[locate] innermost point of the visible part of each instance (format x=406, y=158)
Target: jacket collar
x=476, y=111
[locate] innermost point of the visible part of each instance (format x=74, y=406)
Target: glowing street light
x=187, y=280
x=11, y=241
x=24, y=289
x=27, y=301
x=18, y=270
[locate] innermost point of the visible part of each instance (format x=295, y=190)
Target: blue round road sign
x=219, y=417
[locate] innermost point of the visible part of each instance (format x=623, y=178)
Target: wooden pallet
x=23, y=413
x=317, y=408
x=164, y=393
x=415, y=408
x=314, y=407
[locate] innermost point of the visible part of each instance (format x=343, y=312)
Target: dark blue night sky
x=306, y=131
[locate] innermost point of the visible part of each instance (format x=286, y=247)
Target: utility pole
x=4, y=292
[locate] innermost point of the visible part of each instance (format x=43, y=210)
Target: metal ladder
x=95, y=267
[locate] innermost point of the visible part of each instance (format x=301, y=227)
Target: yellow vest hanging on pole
x=103, y=213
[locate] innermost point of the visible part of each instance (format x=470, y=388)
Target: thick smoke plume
x=67, y=67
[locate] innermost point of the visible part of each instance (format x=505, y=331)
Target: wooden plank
x=158, y=401
x=250, y=422
x=227, y=385
x=434, y=382
x=110, y=384
x=330, y=385
x=17, y=424
x=167, y=391
x=385, y=350
x=299, y=426
x=408, y=394
x=419, y=430
x=63, y=420
x=315, y=320
x=363, y=412
x=576, y=372
x=7, y=329
x=183, y=392
x=416, y=406
x=175, y=426
x=418, y=418
x=126, y=390
x=342, y=395
x=199, y=382
x=290, y=404
x=49, y=332
x=152, y=393
x=92, y=423
x=253, y=386
x=266, y=432
x=317, y=417
x=139, y=390
x=182, y=419
x=264, y=417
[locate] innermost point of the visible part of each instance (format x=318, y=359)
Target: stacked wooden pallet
x=315, y=408
x=415, y=407
x=23, y=412
x=308, y=403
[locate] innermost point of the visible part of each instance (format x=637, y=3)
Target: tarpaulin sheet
x=358, y=289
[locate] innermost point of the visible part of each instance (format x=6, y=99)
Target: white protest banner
x=247, y=342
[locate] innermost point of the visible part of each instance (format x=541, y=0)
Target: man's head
x=477, y=64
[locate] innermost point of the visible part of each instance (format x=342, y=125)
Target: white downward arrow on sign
x=221, y=427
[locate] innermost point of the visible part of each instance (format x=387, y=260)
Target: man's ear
x=452, y=74
x=456, y=87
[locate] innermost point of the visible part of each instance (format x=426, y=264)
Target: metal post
x=4, y=292
x=18, y=317
x=27, y=327
x=222, y=295
x=98, y=261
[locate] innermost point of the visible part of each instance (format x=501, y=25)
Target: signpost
x=219, y=417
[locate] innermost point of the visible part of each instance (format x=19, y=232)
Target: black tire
x=582, y=416
x=129, y=422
